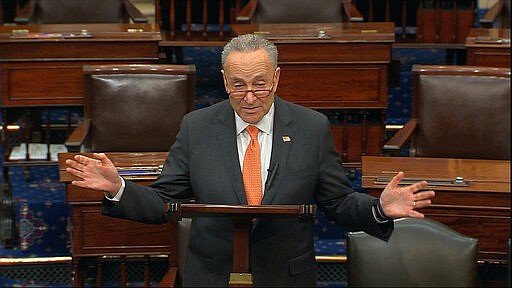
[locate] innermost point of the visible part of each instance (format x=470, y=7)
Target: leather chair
x=298, y=11
x=136, y=108
x=420, y=253
x=458, y=112
x=79, y=11
x=133, y=108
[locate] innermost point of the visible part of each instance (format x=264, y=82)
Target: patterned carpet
x=41, y=214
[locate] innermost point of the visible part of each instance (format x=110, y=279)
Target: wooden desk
x=488, y=47
x=48, y=71
x=336, y=66
x=41, y=71
x=479, y=207
x=94, y=235
x=346, y=69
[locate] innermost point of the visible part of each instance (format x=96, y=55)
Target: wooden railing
x=196, y=22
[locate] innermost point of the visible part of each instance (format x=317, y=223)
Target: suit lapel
x=226, y=142
x=281, y=144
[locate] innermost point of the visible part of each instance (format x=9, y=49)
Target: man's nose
x=250, y=97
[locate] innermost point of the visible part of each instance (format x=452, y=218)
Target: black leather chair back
x=420, y=253
x=79, y=11
x=299, y=11
x=136, y=107
x=462, y=112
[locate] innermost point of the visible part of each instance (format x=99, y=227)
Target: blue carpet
x=210, y=87
x=399, y=100
x=41, y=210
x=9, y=282
x=410, y=56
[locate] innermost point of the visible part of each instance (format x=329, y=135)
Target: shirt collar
x=265, y=125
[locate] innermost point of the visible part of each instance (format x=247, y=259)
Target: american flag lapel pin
x=287, y=139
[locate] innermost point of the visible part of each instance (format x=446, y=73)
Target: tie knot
x=253, y=132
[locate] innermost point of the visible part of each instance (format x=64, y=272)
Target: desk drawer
x=44, y=82
x=334, y=86
x=96, y=234
x=342, y=52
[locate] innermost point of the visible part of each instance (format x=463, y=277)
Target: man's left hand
x=402, y=201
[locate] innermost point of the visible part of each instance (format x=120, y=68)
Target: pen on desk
x=272, y=174
x=139, y=170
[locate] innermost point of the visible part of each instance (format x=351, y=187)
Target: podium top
x=304, y=211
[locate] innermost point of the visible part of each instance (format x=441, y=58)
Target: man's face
x=250, y=71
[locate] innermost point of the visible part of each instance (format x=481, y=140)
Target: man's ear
x=224, y=80
x=277, y=74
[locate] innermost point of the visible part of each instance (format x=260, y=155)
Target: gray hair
x=250, y=43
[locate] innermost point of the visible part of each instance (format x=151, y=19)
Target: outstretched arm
x=401, y=201
x=97, y=173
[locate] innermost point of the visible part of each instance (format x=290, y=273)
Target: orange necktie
x=251, y=171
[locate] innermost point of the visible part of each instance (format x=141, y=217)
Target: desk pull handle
x=458, y=181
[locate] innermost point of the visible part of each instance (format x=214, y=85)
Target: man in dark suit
x=299, y=165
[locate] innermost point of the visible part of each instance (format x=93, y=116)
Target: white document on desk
x=37, y=151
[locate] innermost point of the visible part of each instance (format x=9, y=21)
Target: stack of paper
x=37, y=151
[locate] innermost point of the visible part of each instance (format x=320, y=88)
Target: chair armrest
x=246, y=14
x=396, y=142
x=135, y=14
x=78, y=136
x=351, y=11
x=25, y=13
x=490, y=17
x=169, y=279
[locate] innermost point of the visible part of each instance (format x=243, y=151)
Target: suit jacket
x=203, y=164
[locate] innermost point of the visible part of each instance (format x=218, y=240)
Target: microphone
x=271, y=174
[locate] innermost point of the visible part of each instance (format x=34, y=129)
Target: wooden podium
x=472, y=196
x=242, y=217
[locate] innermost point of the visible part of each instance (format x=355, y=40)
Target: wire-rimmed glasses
x=259, y=93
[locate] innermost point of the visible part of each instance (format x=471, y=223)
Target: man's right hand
x=97, y=173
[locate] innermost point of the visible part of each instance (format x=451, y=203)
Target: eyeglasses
x=260, y=93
